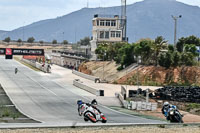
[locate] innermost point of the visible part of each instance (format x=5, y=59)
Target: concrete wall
x=133, y=105
x=93, y=78
x=62, y=60
x=80, y=85
x=37, y=65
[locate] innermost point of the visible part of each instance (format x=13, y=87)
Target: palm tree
x=159, y=44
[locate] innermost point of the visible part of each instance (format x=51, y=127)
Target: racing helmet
x=166, y=104
x=79, y=102
x=94, y=102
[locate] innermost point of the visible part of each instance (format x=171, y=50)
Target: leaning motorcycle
x=90, y=114
x=175, y=116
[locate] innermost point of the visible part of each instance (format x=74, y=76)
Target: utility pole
x=147, y=95
x=23, y=34
x=175, y=28
x=123, y=19
x=104, y=54
x=137, y=73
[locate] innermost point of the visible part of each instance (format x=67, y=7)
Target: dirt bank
x=148, y=75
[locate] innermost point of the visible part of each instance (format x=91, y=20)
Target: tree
x=31, y=39
x=65, y=42
x=191, y=48
x=127, y=54
x=54, y=41
x=165, y=59
x=19, y=40
x=102, y=51
x=187, y=59
x=144, y=49
x=85, y=41
x=171, y=48
x=176, y=57
x=159, y=44
x=41, y=41
x=188, y=40
x=189, y=54
x=7, y=39
x=116, y=52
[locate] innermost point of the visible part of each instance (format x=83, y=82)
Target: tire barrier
x=180, y=94
x=133, y=93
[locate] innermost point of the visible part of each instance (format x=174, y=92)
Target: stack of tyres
x=178, y=93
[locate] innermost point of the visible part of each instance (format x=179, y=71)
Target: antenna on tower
x=123, y=19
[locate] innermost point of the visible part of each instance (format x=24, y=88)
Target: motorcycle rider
x=94, y=105
x=16, y=70
x=165, y=109
x=79, y=102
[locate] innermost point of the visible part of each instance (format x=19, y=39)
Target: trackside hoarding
x=2, y=51
x=38, y=52
x=15, y=51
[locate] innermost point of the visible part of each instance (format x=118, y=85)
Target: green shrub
x=119, y=68
x=192, y=106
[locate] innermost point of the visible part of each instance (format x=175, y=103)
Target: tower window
x=107, y=34
x=101, y=22
x=118, y=34
x=112, y=33
x=113, y=23
x=107, y=22
x=101, y=34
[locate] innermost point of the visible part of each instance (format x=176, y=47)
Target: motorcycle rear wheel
x=85, y=119
x=104, y=121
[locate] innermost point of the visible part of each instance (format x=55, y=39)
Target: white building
x=105, y=29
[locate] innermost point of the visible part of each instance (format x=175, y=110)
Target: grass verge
x=9, y=113
x=134, y=113
x=34, y=68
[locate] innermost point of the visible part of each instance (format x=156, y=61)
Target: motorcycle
x=90, y=114
x=174, y=115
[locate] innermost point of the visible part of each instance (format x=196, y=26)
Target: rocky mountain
x=146, y=19
x=2, y=32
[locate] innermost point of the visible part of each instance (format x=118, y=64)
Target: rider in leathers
x=93, y=104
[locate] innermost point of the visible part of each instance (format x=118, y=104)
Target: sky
x=18, y=13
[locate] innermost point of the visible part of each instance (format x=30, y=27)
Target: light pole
x=137, y=74
x=175, y=26
x=124, y=66
x=104, y=54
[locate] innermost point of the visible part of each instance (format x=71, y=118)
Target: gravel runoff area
x=114, y=129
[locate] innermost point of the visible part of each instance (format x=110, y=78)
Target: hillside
x=148, y=75
x=149, y=18
x=2, y=32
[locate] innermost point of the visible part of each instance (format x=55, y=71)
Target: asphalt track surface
x=42, y=99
